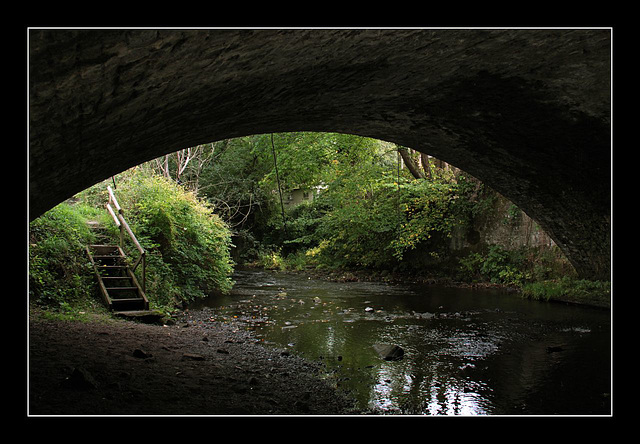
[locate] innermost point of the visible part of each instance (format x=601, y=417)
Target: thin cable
x=275, y=164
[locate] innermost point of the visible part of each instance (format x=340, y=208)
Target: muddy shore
x=193, y=367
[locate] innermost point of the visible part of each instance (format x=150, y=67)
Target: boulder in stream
x=389, y=352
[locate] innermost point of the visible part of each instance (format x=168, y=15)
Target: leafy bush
x=369, y=220
x=469, y=267
x=503, y=267
x=427, y=211
x=59, y=269
x=376, y=221
x=188, y=246
x=498, y=265
x=270, y=259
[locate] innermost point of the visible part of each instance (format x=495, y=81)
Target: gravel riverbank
x=194, y=367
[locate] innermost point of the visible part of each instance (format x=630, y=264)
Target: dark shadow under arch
x=525, y=111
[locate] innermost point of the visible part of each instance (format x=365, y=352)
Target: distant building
x=296, y=196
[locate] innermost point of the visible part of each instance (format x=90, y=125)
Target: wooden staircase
x=118, y=284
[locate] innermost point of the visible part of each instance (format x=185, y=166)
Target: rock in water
x=389, y=352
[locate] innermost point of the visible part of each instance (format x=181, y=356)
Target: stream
x=466, y=351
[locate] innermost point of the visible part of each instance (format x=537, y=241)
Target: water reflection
x=467, y=352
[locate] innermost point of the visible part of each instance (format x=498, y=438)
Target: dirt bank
x=120, y=367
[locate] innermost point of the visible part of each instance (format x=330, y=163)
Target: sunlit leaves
x=188, y=245
x=375, y=219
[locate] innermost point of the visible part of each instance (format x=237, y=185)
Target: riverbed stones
x=389, y=352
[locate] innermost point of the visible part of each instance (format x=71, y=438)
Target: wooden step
x=129, y=304
x=101, y=261
x=118, y=286
x=122, y=293
x=105, y=249
x=116, y=278
x=111, y=270
x=126, y=300
x=110, y=267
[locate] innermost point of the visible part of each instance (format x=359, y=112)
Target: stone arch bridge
x=527, y=111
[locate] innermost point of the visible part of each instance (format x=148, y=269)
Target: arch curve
x=525, y=111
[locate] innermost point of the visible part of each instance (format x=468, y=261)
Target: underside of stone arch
x=527, y=111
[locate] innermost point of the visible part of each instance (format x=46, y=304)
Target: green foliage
x=570, y=290
x=188, y=246
x=59, y=269
x=309, y=159
x=469, y=267
x=498, y=265
x=516, y=267
x=303, y=224
x=370, y=214
x=503, y=267
x=230, y=183
x=357, y=223
x=427, y=210
x=367, y=219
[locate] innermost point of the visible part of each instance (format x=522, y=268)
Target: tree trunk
x=424, y=159
x=411, y=165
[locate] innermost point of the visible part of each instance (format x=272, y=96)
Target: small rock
x=192, y=357
x=223, y=351
x=389, y=352
x=139, y=353
x=368, y=309
x=80, y=379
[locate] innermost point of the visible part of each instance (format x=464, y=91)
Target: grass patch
x=578, y=291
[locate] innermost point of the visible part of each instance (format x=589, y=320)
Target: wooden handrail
x=112, y=198
x=130, y=233
x=124, y=226
x=113, y=215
